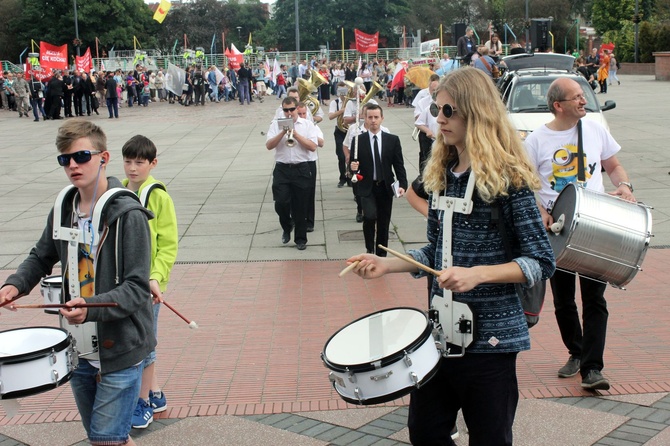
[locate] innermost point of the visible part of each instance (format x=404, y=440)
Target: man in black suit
x=379, y=155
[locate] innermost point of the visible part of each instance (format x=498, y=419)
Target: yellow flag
x=162, y=11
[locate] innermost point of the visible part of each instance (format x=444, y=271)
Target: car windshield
x=530, y=96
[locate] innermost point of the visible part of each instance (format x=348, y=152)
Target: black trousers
x=67, y=102
x=290, y=191
x=54, y=108
x=425, y=145
x=341, y=165
x=77, y=104
x=587, y=343
x=311, y=200
x=483, y=385
x=377, y=209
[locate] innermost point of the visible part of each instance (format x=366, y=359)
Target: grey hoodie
x=125, y=332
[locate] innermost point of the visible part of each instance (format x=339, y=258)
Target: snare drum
x=382, y=356
x=51, y=288
x=601, y=236
x=34, y=360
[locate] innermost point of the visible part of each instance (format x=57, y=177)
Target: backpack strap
x=146, y=192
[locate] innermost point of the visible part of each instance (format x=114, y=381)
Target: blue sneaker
x=157, y=401
x=143, y=415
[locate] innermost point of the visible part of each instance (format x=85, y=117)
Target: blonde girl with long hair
x=477, y=139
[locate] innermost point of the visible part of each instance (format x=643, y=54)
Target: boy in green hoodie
x=139, y=158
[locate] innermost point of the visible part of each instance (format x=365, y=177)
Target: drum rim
x=35, y=354
x=393, y=395
x=37, y=390
x=44, y=282
x=386, y=360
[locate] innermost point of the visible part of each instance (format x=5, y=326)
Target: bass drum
x=599, y=236
x=382, y=356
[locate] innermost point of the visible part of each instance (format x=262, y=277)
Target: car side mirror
x=609, y=105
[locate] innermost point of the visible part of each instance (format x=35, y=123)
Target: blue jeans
x=106, y=407
x=152, y=356
x=113, y=107
x=243, y=87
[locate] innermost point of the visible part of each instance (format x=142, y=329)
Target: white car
x=524, y=88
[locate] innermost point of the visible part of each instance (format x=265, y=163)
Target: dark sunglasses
x=81, y=157
x=447, y=110
x=289, y=110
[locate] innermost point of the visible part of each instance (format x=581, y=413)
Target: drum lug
x=380, y=377
x=52, y=357
x=357, y=392
x=351, y=375
x=336, y=379
x=414, y=378
x=407, y=360
x=54, y=376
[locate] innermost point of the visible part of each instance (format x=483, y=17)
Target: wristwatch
x=630, y=186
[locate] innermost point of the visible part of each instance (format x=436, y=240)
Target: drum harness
x=75, y=236
x=453, y=321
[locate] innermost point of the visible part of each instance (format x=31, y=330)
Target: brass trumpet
x=290, y=141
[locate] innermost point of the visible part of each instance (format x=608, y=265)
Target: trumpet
x=290, y=141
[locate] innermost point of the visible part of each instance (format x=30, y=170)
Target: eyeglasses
x=289, y=110
x=447, y=110
x=81, y=157
x=579, y=97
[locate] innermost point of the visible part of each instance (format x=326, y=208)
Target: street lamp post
x=76, y=28
x=297, y=30
x=239, y=33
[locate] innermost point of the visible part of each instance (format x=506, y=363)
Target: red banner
x=53, y=57
x=366, y=43
x=234, y=59
x=36, y=71
x=85, y=62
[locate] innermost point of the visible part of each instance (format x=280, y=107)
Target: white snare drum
x=599, y=236
x=382, y=356
x=85, y=336
x=51, y=288
x=34, y=360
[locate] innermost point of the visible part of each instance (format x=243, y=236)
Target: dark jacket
x=110, y=86
x=392, y=160
x=56, y=87
x=125, y=332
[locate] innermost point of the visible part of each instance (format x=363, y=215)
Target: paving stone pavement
x=232, y=262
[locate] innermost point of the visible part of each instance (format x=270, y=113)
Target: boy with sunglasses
x=139, y=159
x=113, y=260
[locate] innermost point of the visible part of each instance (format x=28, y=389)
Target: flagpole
x=76, y=27
x=343, y=44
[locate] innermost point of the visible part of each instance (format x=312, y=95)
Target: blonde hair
x=497, y=156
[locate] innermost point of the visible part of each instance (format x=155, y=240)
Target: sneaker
x=454, y=432
x=594, y=380
x=143, y=415
x=571, y=368
x=157, y=401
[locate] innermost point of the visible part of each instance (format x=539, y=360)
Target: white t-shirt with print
x=554, y=154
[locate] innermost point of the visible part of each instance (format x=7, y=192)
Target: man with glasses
x=379, y=155
x=113, y=261
x=551, y=149
x=293, y=139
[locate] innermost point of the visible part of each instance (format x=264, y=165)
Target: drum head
x=566, y=204
x=377, y=337
x=21, y=342
x=52, y=281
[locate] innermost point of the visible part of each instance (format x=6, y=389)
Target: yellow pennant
x=162, y=11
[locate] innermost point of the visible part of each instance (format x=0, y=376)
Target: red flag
x=366, y=43
x=85, y=62
x=53, y=57
x=235, y=58
x=399, y=75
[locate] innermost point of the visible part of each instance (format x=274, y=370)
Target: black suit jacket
x=392, y=161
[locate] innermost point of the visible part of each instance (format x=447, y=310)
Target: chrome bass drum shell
x=603, y=237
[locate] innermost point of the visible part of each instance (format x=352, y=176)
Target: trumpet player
x=292, y=176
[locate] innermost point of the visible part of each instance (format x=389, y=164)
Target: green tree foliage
x=608, y=15
x=113, y=22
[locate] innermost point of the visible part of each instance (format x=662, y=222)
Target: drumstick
x=93, y=305
x=13, y=299
x=349, y=268
x=408, y=259
x=190, y=323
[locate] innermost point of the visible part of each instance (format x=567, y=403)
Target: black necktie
x=378, y=161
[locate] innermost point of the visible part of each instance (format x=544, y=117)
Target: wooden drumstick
x=190, y=323
x=408, y=259
x=349, y=268
x=13, y=299
x=92, y=305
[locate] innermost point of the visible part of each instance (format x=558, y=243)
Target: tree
x=607, y=15
x=113, y=22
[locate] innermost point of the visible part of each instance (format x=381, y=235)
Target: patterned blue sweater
x=476, y=241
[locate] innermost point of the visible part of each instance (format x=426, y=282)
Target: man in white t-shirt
x=553, y=150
